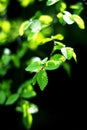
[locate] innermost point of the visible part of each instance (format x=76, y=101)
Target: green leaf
x=23, y=27
x=35, y=26
x=58, y=57
x=60, y=17
x=34, y=66
x=79, y=21
x=12, y=99
x=28, y=92
x=42, y=79
x=34, y=79
x=74, y=56
x=59, y=37
x=67, y=52
x=45, y=40
x=52, y=65
x=27, y=121
x=46, y=19
x=57, y=46
x=55, y=62
x=2, y=97
x=67, y=17
x=51, y=2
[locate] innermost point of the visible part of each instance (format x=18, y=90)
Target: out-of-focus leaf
x=23, y=27
x=28, y=92
x=79, y=21
x=59, y=37
x=27, y=120
x=67, y=17
x=51, y=2
x=46, y=19
x=12, y=99
x=2, y=97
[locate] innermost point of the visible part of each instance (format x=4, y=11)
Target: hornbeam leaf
x=34, y=66
x=67, y=52
x=42, y=79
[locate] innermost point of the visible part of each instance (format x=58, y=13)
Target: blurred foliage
x=22, y=34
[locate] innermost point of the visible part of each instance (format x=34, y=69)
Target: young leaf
x=59, y=37
x=67, y=17
x=79, y=21
x=23, y=27
x=42, y=79
x=52, y=65
x=27, y=120
x=67, y=52
x=51, y=2
x=12, y=99
x=46, y=19
x=57, y=46
x=28, y=92
x=34, y=66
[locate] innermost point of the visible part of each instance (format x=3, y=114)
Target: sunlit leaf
x=27, y=121
x=59, y=37
x=34, y=66
x=52, y=65
x=58, y=57
x=42, y=79
x=61, y=6
x=79, y=21
x=23, y=27
x=67, y=17
x=35, y=26
x=12, y=99
x=46, y=19
x=32, y=108
x=25, y=3
x=57, y=46
x=60, y=17
x=45, y=40
x=51, y=2
x=67, y=52
x=44, y=60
